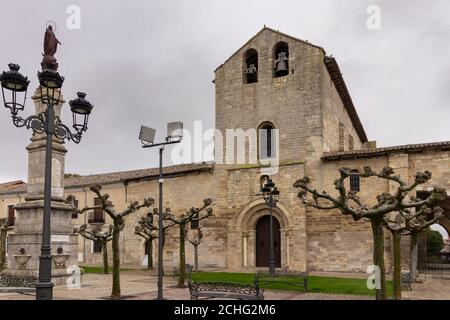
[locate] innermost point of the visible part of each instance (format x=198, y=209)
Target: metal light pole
x=160, y=225
x=174, y=135
x=45, y=122
x=271, y=196
x=14, y=83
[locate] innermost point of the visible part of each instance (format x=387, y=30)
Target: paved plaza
x=142, y=285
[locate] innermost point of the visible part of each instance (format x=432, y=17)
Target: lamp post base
x=272, y=268
x=44, y=291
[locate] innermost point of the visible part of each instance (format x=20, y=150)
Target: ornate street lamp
x=271, y=196
x=147, y=136
x=14, y=83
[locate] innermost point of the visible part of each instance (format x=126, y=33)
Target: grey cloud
x=151, y=62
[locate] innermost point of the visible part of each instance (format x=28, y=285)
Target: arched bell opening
x=250, y=66
x=281, y=60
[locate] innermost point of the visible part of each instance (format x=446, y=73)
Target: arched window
x=266, y=140
x=262, y=181
x=250, y=66
x=281, y=59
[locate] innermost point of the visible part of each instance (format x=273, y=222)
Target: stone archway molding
x=254, y=210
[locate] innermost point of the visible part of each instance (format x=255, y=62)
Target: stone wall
x=246, y=206
x=334, y=114
x=335, y=241
x=292, y=103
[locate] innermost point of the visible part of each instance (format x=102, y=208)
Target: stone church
x=307, y=102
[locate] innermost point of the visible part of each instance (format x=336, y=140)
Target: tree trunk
x=413, y=255
x=116, y=262
x=396, y=238
x=105, y=256
x=3, y=233
x=182, y=271
x=378, y=256
x=196, y=257
x=149, y=254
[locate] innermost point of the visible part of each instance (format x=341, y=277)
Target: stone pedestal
x=24, y=246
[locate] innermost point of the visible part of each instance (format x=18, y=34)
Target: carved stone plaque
x=57, y=190
x=60, y=238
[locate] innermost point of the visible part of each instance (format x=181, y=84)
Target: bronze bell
x=281, y=65
x=250, y=72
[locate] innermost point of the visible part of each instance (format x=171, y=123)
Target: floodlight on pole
x=174, y=131
x=147, y=135
x=174, y=135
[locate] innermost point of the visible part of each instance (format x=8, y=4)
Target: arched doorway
x=262, y=241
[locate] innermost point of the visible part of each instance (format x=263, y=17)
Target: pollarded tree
x=406, y=222
x=149, y=231
x=182, y=221
x=4, y=228
x=350, y=204
x=167, y=224
x=118, y=226
x=195, y=241
x=148, y=228
x=98, y=235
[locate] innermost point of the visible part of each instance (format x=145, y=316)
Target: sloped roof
x=341, y=87
x=119, y=177
x=375, y=152
x=11, y=184
x=335, y=74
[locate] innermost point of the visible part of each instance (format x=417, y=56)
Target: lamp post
x=174, y=135
x=14, y=83
x=271, y=196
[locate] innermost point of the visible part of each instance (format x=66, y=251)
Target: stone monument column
x=24, y=246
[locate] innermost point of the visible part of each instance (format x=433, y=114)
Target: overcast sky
x=151, y=62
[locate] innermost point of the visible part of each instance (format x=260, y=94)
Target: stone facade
x=319, y=132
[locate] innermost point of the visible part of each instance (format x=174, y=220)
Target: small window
x=250, y=66
x=341, y=136
x=354, y=182
x=266, y=140
x=350, y=142
x=97, y=216
x=281, y=61
x=75, y=204
x=11, y=215
x=97, y=247
x=195, y=223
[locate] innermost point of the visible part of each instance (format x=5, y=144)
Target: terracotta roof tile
x=119, y=177
x=364, y=153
